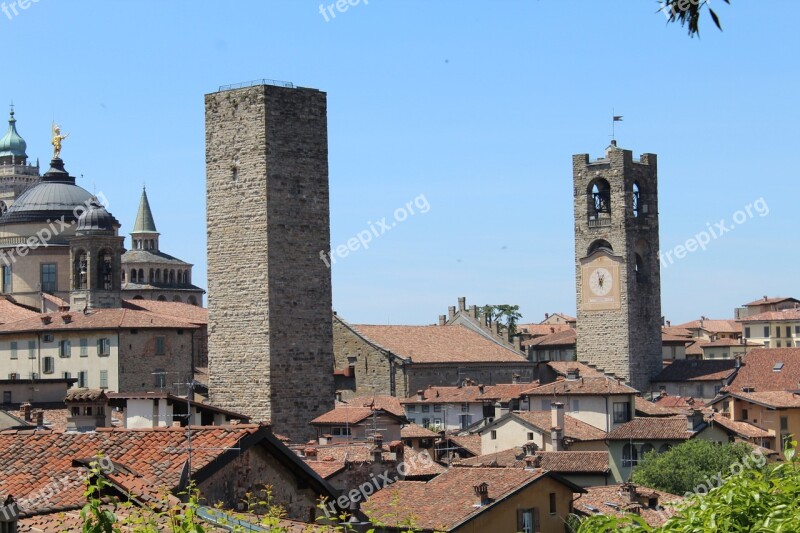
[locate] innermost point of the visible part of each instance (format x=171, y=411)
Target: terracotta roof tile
x=652, y=429
x=682, y=370
x=563, y=338
x=574, y=428
x=645, y=407
x=758, y=370
x=539, y=330
x=582, y=386
x=470, y=394
x=181, y=311
x=596, y=501
x=98, y=319
x=561, y=367
x=344, y=414
x=676, y=331
x=439, y=344
x=447, y=499
x=777, y=399
x=11, y=312
x=767, y=301
x=326, y=469
x=470, y=443
x=390, y=404
x=558, y=462
x=743, y=429
x=415, y=431
x=713, y=326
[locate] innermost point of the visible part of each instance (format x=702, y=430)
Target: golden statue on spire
x=57, y=138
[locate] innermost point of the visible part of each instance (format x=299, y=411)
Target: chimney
x=377, y=448
x=557, y=415
x=451, y=311
x=310, y=453
x=420, y=395
x=9, y=516
x=499, y=410
x=442, y=320
x=25, y=411
x=462, y=303
x=514, y=378
x=738, y=359
x=39, y=418
x=325, y=439
x=628, y=491
x=546, y=316
x=481, y=494
x=694, y=420
x=46, y=319
x=495, y=328
x=66, y=318
x=473, y=311
x=517, y=343
x=573, y=373
x=533, y=461
x=338, y=396
x=480, y=387
x=669, y=323
x=556, y=434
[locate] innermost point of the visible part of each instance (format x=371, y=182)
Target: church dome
x=95, y=218
x=53, y=196
x=11, y=144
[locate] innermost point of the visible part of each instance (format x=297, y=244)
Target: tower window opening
x=105, y=270
x=636, y=200
x=599, y=200
x=81, y=271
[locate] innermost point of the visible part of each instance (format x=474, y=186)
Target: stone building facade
x=617, y=264
x=268, y=220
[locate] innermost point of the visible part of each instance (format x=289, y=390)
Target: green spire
x=12, y=144
x=144, y=218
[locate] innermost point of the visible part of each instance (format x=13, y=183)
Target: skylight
x=778, y=367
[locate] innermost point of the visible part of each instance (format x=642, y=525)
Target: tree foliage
x=687, y=12
x=759, y=500
x=507, y=315
x=690, y=465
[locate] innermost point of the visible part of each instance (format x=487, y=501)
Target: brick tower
x=617, y=272
x=269, y=293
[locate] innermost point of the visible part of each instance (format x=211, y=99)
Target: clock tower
x=618, y=278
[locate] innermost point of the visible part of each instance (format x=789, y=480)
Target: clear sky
x=472, y=108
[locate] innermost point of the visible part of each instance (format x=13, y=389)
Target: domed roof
x=95, y=218
x=12, y=144
x=53, y=196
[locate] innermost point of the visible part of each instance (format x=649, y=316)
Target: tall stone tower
x=269, y=292
x=617, y=270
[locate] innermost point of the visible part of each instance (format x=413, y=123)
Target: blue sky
x=478, y=106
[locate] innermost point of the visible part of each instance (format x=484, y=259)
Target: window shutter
x=519, y=519
x=536, y=526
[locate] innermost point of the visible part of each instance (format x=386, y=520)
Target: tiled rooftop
x=596, y=501
x=575, y=429
x=682, y=370
x=560, y=462
x=761, y=371
x=582, y=386
x=652, y=429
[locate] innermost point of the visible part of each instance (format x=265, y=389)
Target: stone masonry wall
x=626, y=341
x=268, y=218
x=138, y=360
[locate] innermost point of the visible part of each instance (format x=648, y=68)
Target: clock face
x=600, y=281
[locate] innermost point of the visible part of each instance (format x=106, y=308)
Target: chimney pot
x=39, y=418
x=420, y=395
x=442, y=320
x=462, y=303
x=451, y=311
x=25, y=409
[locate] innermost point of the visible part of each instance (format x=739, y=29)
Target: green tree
x=760, y=500
x=687, y=12
x=507, y=315
x=690, y=465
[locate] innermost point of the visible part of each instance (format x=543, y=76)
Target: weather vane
x=614, y=120
x=57, y=139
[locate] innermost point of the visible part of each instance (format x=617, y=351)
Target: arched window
x=599, y=203
x=646, y=449
x=600, y=244
x=152, y=275
x=635, y=199
x=192, y=300
x=152, y=244
x=180, y=277
x=138, y=297
x=158, y=275
x=176, y=299
x=3, y=208
x=141, y=276
x=171, y=277
x=105, y=270
x=81, y=270
x=629, y=455
x=162, y=298
x=186, y=277
x=122, y=273
x=665, y=448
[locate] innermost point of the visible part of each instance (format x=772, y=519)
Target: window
x=67, y=375
x=465, y=420
x=104, y=379
x=64, y=348
x=103, y=347
x=34, y=375
x=13, y=349
x=340, y=432
x=6, y=396
x=784, y=423
x=699, y=391
x=747, y=332
x=777, y=344
x=49, y=278
x=31, y=349
x=48, y=364
x=6, y=279
x=797, y=330
x=83, y=379
x=552, y=503
x=622, y=412
x=437, y=408
x=47, y=337
x=766, y=331
x=426, y=422
x=530, y=436
x=788, y=331
x=576, y=406
x=13, y=376
x=528, y=520
x=465, y=408
x=745, y=414
x=629, y=455
x=437, y=423
x=160, y=378
x=84, y=347
x=426, y=408
x=494, y=435
x=160, y=342
x=411, y=408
